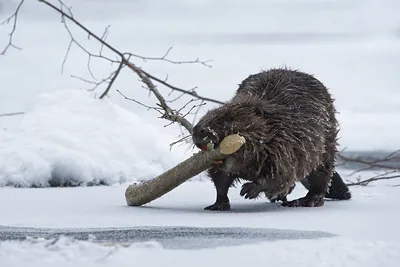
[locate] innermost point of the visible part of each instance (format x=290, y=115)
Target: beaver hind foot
x=310, y=200
x=318, y=183
x=337, y=188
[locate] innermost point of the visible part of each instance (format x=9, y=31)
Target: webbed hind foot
x=310, y=200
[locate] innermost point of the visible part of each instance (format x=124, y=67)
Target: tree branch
x=169, y=114
x=140, y=103
x=145, y=77
x=379, y=163
x=373, y=179
x=14, y=16
x=11, y=114
x=140, y=194
x=164, y=58
x=121, y=65
x=71, y=18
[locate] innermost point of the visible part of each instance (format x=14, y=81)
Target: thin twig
x=70, y=17
x=124, y=59
x=121, y=65
x=104, y=37
x=14, y=16
x=184, y=138
x=164, y=58
x=146, y=78
x=367, y=181
x=11, y=114
x=140, y=103
x=169, y=113
x=192, y=93
x=371, y=164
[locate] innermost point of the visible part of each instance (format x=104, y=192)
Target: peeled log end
x=142, y=193
x=231, y=144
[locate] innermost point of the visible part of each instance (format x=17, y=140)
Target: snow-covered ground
x=352, y=46
x=366, y=228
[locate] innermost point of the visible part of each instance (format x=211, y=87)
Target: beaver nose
x=203, y=131
x=200, y=136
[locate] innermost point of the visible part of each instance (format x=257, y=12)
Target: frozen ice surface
x=365, y=228
x=174, y=237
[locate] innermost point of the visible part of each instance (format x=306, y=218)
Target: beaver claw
x=283, y=197
x=221, y=206
x=310, y=200
x=250, y=190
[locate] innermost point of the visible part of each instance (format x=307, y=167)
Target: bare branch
x=192, y=93
x=13, y=17
x=164, y=58
x=379, y=163
x=66, y=55
x=139, y=194
x=95, y=84
x=121, y=65
x=141, y=73
x=197, y=112
x=70, y=17
x=192, y=108
x=104, y=37
x=11, y=114
x=123, y=60
x=169, y=113
x=183, y=139
x=373, y=179
x=140, y=103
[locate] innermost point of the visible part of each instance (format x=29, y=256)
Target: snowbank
x=70, y=138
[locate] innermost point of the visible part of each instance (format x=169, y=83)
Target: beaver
x=288, y=119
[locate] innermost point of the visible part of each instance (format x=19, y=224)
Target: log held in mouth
x=207, y=147
x=142, y=193
x=231, y=144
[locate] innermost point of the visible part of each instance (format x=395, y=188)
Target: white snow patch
x=70, y=136
x=367, y=228
x=328, y=252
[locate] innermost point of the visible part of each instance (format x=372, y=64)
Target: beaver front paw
x=310, y=200
x=221, y=206
x=250, y=190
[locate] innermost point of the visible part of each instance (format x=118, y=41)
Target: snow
x=70, y=137
x=304, y=253
x=365, y=228
x=346, y=44
x=351, y=46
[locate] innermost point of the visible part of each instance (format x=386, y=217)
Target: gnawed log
x=141, y=193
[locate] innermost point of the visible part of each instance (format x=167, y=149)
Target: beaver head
x=232, y=118
x=205, y=135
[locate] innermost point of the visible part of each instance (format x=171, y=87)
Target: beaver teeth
x=210, y=146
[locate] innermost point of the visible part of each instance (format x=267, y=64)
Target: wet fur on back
x=288, y=120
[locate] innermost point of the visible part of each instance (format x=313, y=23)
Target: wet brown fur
x=288, y=120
